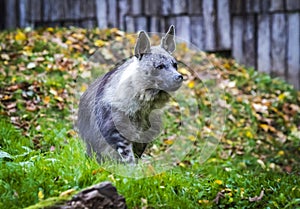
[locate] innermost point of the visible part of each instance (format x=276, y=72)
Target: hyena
x=114, y=117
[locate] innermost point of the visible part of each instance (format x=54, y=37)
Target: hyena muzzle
x=117, y=117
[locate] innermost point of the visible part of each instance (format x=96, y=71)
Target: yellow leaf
x=53, y=91
x=183, y=71
x=50, y=29
x=169, y=141
x=219, y=182
x=249, y=134
x=67, y=193
x=281, y=97
x=20, y=36
x=46, y=100
x=203, y=201
x=280, y=153
x=41, y=195
x=265, y=127
x=191, y=84
x=58, y=98
x=83, y=87
x=192, y=138
x=182, y=164
x=13, y=79
x=99, y=43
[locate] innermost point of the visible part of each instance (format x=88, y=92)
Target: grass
x=41, y=155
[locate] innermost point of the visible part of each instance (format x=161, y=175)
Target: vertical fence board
x=155, y=24
x=179, y=7
x=123, y=10
x=141, y=23
x=101, y=11
x=237, y=38
x=197, y=32
x=277, y=5
x=237, y=7
x=264, y=6
x=35, y=10
x=23, y=7
x=152, y=7
x=293, y=58
x=10, y=14
x=263, y=44
x=57, y=10
x=292, y=4
x=129, y=24
x=87, y=9
x=166, y=7
x=278, y=52
x=136, y=7
x=209, y=25
x=195, y=7
x=112, y=13
x=72, y=9
x=223, y=26
x=252, y=6
x=183, y=28
x=249, y=48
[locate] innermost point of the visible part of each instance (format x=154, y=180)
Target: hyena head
x=156, y=66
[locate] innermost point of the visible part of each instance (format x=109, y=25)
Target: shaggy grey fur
x=118, y=114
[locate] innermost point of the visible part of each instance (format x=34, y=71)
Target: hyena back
x=114, y=117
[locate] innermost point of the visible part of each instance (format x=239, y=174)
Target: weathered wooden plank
x=35, y=9
x=249, y=49
x=223, y=25
x=209, y=15
x=155, y=24
x=197, y=31
x=87, y=9
x=183, y=28
x=170, y=21
x=129, y=24
x=264, y=44
x=152, y=7
x=195, y=7
x=10, y=14
x=292, y=5
x=238, y=7
x=279, y=39
x=276, y=5
x=179, y=7
x=57, y=11
x=163, y=24
x=237, y=39
x=293, y=50
x=166, y=7
x=72, y=9
x=140, y=23
x=123, y=10
x=112, y=13
x=265, y=6
x=23, y=8
x=101, y=13
x=136, y=7
x=88, y=23
x=252, y=6
x=47, y=7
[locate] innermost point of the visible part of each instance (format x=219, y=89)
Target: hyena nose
x=178, y=78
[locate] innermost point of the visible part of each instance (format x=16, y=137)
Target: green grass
x=41, y=155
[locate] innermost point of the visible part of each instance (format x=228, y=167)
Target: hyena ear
x=168, y=41
x=142, y=45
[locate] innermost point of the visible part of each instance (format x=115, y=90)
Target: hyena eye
x=175, y=65
x=160, y=67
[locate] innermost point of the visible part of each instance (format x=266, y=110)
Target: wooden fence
x=264, y=34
